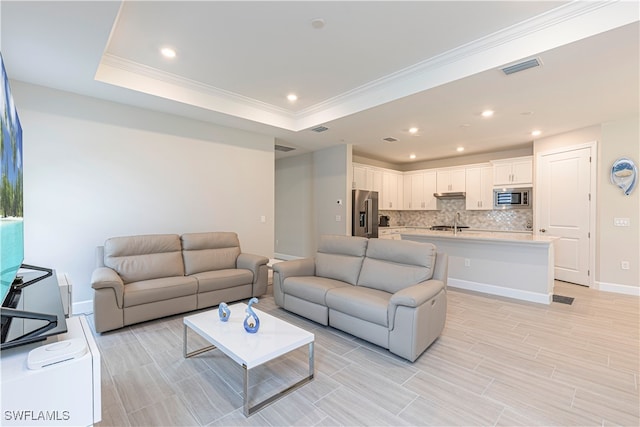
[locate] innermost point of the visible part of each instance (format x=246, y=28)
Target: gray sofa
x=139, y=278
x=389, y=292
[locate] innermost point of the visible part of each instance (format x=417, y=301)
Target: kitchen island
x=511, y=264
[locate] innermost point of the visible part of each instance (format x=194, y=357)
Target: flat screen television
x=31, y=304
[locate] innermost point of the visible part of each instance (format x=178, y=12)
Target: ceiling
x=373, y=70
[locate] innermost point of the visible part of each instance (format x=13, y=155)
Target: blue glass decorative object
x=251, y=322
x=624, y=174
x=224, y=312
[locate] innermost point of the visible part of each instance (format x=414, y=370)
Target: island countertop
x=485, y=235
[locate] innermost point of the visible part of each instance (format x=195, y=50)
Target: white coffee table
x=275, y=338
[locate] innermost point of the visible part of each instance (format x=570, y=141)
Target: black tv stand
x=18, y=283
x=33, y=309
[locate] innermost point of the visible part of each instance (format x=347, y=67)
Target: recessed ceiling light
x=292, y=97
x=168, y=52
x=536, y=133
x=527, y=113
x=487, y=113
x=460, y=149
x=465, y=125
x=412, y=156
x=413, y=130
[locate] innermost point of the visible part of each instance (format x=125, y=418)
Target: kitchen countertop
x=477, y=234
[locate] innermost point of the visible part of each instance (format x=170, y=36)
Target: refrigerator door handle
x=369, y=211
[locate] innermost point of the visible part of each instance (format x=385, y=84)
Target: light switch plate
x=621, y=222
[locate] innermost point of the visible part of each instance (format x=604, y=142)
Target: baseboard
x=618, y=289
x=500, y=291
x=285, y=257
x=83, y=307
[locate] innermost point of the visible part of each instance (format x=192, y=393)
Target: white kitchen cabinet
x=451, y=180
x=479, y=187
x=418, y=191
x=392, y=191
x=367, y=177
x=515, y=171
x=360, y=177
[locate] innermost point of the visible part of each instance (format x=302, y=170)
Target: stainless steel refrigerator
x=364, y=221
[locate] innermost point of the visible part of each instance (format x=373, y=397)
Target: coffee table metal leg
x=248, y=410
x=194, y=352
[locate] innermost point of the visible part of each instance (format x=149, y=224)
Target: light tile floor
x=498, y=362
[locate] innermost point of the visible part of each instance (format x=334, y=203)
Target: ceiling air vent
x=521, y=66
x=283, y=148
x=389, y=139
x=319, y=129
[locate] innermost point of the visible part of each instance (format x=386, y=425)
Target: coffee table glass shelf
x=275, y=338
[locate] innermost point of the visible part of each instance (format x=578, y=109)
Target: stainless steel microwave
x=510, y=198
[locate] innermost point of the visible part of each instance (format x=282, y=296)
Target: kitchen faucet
x=456, y=222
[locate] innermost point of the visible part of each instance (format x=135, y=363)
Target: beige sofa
x=389, y=292
x=139, y=278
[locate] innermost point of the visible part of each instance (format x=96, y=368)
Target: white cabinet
x=66, y=393
x=392, y=191
x=366, y=178
x=515, y=171
x=418, y=191
x=451, y=180
x=359, y=177
x=479, y=187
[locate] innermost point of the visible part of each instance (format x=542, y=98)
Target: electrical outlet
x=624, y=265
x=338, y=218
x=467, y=262
x=263, y=218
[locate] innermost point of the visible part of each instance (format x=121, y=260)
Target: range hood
x=452, y=195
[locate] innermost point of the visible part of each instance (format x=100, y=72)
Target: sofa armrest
x=105, y=277
x=413, y=296
x=441, y=268
x=295, y=267
x=251, y=262
x=292, y=268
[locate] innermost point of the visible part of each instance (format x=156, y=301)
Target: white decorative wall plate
x=624, y=174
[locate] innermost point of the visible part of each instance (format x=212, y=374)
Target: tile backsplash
x=504, y=220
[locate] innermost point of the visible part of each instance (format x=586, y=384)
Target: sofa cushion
x=311, y=288
x=222, y=279
x=209, y=251
x=148, y=291
x=363, y=303
x=392, y=265
x=340, y=257
x=137, y=258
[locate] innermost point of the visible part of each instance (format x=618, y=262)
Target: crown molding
x=565, y=24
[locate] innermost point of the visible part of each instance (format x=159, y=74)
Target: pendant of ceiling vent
x=389, y=139
x=521, y=66
x=283, y=148
x=319, y=129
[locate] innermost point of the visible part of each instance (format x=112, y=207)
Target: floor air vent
x=319, y=129
x=521, y=66
x=563, y=300
x=283, y=148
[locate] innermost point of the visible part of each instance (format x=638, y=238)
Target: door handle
x=542, y=230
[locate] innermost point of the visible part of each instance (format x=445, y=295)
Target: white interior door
x=563, y=190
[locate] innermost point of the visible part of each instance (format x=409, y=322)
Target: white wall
x=308, y=187
x=613, y=244
x=619, y=139
x=96, y=169
x=332, y=182
x=294, y=209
